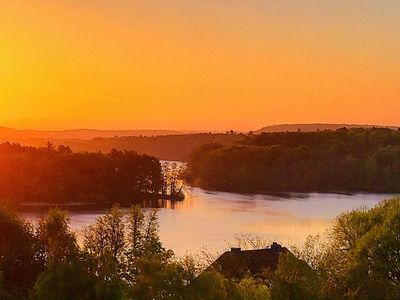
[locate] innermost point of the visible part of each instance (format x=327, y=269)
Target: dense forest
x=121, y=257
x=50, y=175
x=357, y=159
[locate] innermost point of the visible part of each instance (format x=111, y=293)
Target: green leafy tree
x=362, y=260
x=56, y=237
x=68, y=280
x=21, y=257
x=104, y=243
x=250, y=289
x=135, y=235
x=294, y=279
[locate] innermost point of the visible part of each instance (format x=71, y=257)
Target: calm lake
x=211, y=219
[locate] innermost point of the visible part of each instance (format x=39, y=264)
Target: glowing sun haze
x=205, y=64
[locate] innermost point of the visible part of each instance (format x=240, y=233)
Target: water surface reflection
x=209, y=219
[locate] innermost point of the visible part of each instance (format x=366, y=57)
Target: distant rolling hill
x=9, y=134
x=165, y=147
x=313, y=127
x=164, y=144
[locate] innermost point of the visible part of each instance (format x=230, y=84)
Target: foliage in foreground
x=121, y=257
x=360, y=259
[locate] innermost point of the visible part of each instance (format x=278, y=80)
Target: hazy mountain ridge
x=314, y=127
x=165, y=147
x=164, y=144
x=11, y=134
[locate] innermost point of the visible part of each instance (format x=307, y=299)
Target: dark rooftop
x=237, y=263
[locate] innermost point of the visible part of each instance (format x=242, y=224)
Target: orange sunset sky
x=205, y=64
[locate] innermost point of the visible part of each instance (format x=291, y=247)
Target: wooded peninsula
x=356, y=159
x=55, y=176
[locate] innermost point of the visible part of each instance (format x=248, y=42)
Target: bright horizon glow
x=198, y=65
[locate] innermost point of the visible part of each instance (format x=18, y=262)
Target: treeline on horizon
x=176, y=147
x=49, y=175
x=168, y=146
x=356, y=159
x=121, y=256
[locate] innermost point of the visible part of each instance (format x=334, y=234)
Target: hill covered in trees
x=166, y=147
x=163, y=144
x=357, y=159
